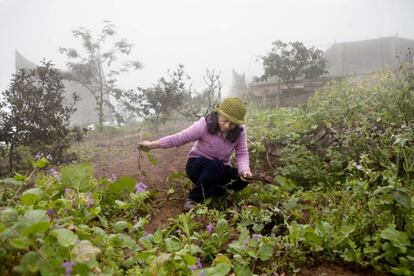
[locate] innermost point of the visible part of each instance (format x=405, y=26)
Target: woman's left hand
x=246, y=174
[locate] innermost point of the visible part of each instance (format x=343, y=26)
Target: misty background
x=220, y=35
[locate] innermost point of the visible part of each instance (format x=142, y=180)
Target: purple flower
x=199, y=264
x=113, y=177
x=89, y=201
x=38, y=156
x=201, y=273
x=68, y=193
x=209, y=228
x=192, y=268
x=246, y=241
x=68, y=266
x=257, y=237
x=140, y=187
x=50, y=212
x=54, y=173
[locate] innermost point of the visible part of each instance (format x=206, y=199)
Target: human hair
x=213, y=127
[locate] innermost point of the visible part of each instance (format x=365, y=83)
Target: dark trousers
x=211, y=177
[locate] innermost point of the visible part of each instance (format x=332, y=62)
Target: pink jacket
x=211, y=146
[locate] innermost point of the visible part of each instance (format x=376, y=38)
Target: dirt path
x=119, y=155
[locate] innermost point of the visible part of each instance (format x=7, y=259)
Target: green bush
x=35, y=118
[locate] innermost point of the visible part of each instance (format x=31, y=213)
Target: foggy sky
x=221, y=35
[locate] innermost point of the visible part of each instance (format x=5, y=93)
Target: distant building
x=85, y=113
x=366, y=56
x=239, y=82
x=343, y=59
x=275, y=93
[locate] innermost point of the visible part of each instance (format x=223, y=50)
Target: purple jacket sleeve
x=190, y=134
x=242, y=153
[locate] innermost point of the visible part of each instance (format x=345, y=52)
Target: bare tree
x=197, y=104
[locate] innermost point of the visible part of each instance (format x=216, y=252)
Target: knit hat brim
x=228, y=117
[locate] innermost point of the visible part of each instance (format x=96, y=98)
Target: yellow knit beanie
x=233, y=109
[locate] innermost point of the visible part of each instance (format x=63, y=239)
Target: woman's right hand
x=145, y=145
